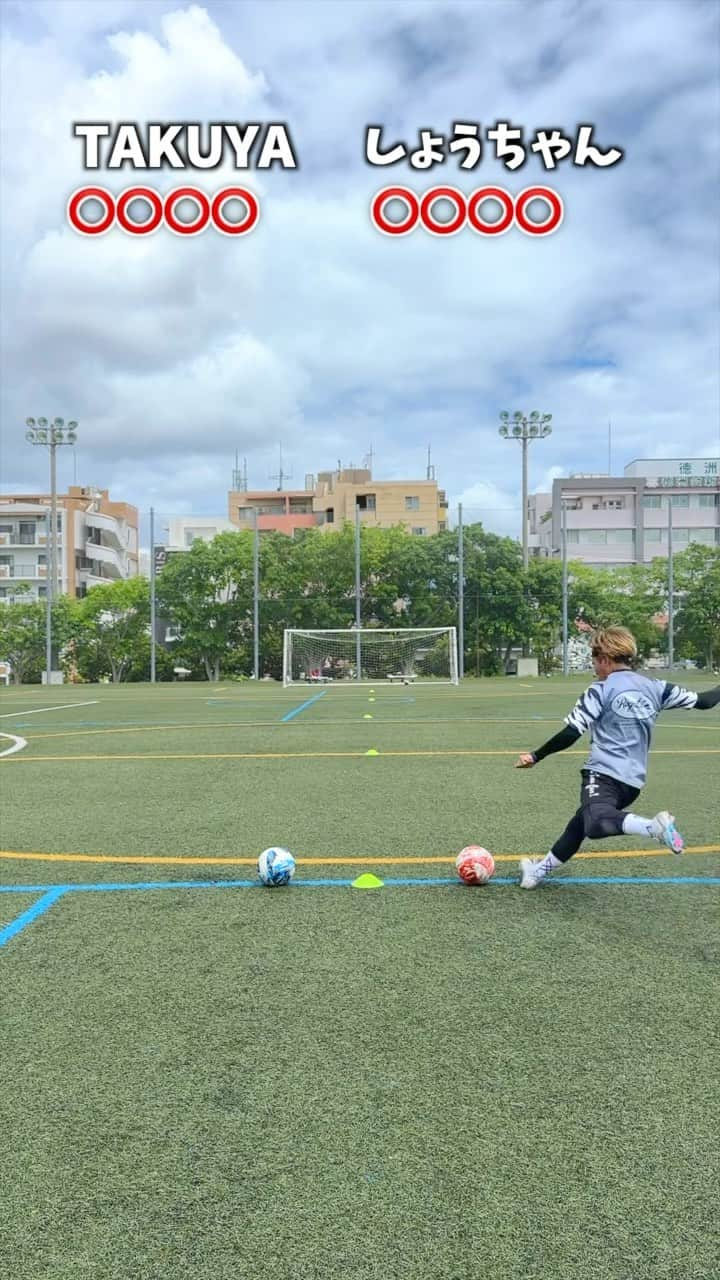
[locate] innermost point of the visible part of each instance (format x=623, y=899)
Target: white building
x=97, y=541
x=184, y=530
x=615, y=521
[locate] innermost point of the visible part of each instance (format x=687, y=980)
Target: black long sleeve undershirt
x=560, y=742
x=568, y=735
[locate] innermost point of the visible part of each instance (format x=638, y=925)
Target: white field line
x=63, y=706
x=19, y=744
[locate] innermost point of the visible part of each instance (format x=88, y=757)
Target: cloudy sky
x=317, y=332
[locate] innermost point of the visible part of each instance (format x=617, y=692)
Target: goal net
x=366, y=655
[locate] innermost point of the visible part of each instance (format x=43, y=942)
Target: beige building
x=331, y=499
x=97, y=541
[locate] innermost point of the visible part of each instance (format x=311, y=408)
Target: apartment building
x=615, y=521
x=97, y=541
x=331, y=498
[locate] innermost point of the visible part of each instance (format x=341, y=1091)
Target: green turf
x=419, y=1082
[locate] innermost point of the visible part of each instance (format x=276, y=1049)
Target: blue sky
x=318, y=332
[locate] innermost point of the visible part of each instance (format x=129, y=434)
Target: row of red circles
x=162, y=209
x=467, y=208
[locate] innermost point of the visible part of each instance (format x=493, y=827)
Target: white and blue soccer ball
x=276, y=866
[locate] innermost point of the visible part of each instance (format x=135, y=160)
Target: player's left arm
x=674, y=698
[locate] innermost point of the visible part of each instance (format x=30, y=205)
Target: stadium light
x=535, y=426
x=40, y=432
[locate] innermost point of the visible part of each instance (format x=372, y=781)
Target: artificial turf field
x=207, y=1079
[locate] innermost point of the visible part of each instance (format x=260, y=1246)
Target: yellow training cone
x=367, y=716
x=367, y=881
x=372, y=752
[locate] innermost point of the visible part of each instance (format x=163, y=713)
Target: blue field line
x=52, y=892
x=27, y=917
x=303, y=705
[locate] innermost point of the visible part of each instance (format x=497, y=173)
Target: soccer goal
x=366, y=655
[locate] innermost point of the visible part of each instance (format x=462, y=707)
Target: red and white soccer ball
x=474, y=864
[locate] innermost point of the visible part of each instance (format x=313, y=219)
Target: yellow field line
x=143, y=860
x=11, y=761
x=279, y=724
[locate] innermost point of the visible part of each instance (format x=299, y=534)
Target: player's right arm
x=587, y=709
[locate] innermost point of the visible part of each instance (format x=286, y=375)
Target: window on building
x=442, y=526
x=330, y=515
x=616, y=504
x=652, y=500
x=653, y=535
x=198, y=535
x=421, y=530
x=709, y=499
x=620, y=535
x=572, y=535
x=412, y=504
x=681, y=535
x=594, y=535
x=680, y=499
x=366, y=501
x=707, y=536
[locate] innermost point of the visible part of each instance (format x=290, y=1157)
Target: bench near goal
x=367, y=655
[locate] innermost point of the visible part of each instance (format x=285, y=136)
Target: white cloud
x=315, y=330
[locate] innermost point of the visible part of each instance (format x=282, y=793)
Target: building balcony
x=17, y=539
x=115, y=560
x=23, y=572
x=108, y=526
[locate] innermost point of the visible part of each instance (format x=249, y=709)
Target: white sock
x=635, y=826
x=546, y=864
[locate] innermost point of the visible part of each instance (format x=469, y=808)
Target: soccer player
x=620, y=710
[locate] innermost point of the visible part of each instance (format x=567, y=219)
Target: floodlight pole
x=461, y=594
x=256, y=596
x=671, y=590
x=50, y=435
x=564, y=589
x=358, y=643
x=524, y=428
x=52, y=590
x=152, y=595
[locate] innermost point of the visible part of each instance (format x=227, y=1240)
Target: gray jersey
x=620, y=713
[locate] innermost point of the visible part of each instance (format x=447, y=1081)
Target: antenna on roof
x=281, y=474
x=430, y=473
x=368, y=460
x=239, y=479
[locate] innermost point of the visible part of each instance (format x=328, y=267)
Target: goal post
x=368, y=655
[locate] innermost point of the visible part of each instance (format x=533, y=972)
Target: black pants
x=600, y=815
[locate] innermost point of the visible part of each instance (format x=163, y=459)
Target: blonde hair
x=615, y=643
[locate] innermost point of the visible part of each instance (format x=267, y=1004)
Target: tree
x=23, y=632
x=22, y=639
x=207, y=593
x=112, y=632
x=697, y=580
